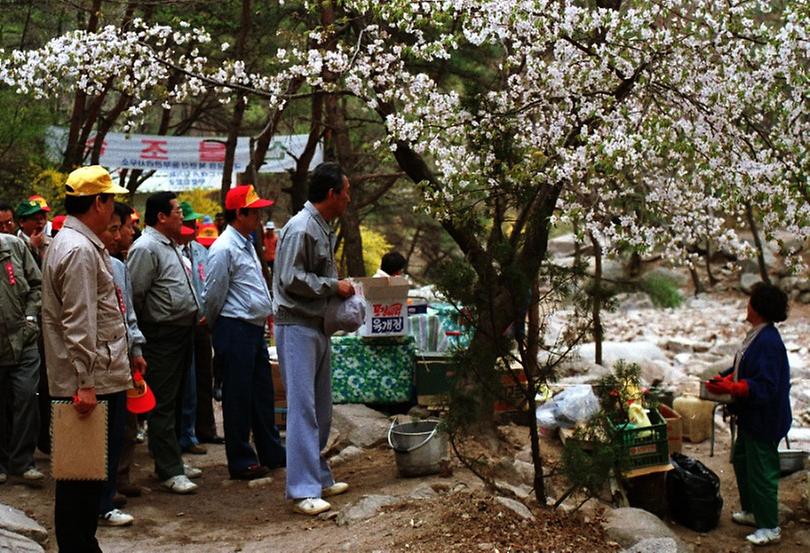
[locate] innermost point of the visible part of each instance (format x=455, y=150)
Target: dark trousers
x=77, y=501
x=168, y=355
x=247, y=396
x=127, y=450
x=116, y=422
x=206, y=427
x=44, y=401
x=19, y=415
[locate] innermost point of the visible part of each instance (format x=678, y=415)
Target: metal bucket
x=419, y=447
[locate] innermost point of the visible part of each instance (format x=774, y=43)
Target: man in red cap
x=237, y=303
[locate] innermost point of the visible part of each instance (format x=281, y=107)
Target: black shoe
x=216, y=393
x=212, y=440
x=119, y=501
x=195, y=449
x=251, y=473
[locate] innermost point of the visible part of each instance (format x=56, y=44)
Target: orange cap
x=140, y=398
x=43, y=205
x=207, y=233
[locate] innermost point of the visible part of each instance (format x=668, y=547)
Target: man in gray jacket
x=166, y=306
x=20, y=291
x=305, y=277
x=85, y=338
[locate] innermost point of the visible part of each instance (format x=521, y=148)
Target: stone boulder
x=653, y=545
x=628, y=526
x=359, y=426
x=516, y=507
x=15, y=521
x=748, y=280
x=17, y=543
x=647, y=355
x=562, y=246
x=367, y=507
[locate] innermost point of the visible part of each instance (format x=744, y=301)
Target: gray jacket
x=162, y=291
x=135, y=337
x=20, y=298
x=305, y=273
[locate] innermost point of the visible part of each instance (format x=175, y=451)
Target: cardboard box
x=386, y=306
x=674, y=428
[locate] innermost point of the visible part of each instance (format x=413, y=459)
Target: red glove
x=728, y=386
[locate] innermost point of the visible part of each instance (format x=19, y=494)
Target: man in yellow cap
x=85, y=339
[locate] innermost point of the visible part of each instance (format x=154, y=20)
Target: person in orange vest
x=270, y=244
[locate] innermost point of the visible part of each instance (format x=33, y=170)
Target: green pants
x=756, y=465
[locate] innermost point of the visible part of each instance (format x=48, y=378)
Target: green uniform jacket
x=20, y=297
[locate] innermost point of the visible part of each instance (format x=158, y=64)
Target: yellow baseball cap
x=91, y=180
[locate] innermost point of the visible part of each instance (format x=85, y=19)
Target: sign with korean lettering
x=386, y=306
x=183, y=162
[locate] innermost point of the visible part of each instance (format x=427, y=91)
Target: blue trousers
x=247, y=396
x=116, y=422
x=304, y=355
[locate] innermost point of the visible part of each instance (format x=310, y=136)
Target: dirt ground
x=229, y=516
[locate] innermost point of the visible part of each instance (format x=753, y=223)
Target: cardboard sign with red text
x=386, y=306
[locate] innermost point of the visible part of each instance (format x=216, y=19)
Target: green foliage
x=663, y=290
x=50, y=184
x=590, y=455
x=616, y=389
x=203, y=201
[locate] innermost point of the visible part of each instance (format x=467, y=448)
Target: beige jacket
x=83, y=325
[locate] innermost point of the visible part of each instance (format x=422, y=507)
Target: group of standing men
x=103, y=319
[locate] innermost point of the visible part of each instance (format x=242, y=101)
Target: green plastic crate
x=643, y=447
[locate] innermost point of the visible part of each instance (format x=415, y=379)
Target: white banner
x=183, y=162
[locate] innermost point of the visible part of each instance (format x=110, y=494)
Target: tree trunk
x=712, y=279
x=532, y=377
x=245, y=22
x=763, y=268
x=699, y=289
x=596, y=307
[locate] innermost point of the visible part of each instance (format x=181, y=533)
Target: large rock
x=515, y=506
x=562, y=246
x=14, y=520
x=748, y=280
x=653, y=545
x=17, y=543
x=367, y=507
x=628, y=526
x=647, y=355
x=359, y=426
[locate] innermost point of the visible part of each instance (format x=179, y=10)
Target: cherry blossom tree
x=652, y=123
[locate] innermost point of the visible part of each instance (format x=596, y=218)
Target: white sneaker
x=311, y=506
x=335, y=489
x=192, y=472
x=116, y=518
x=744, y=517
x=32, y=475
x=180, y=484
x=765, y=536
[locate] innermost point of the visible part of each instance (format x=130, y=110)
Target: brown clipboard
x=78, y=445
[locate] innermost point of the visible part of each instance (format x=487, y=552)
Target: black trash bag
x=693, y=494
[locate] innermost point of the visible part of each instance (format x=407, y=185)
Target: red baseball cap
x=58, y=222
x=187, y=231
x=245, y=195
x=140, y=398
